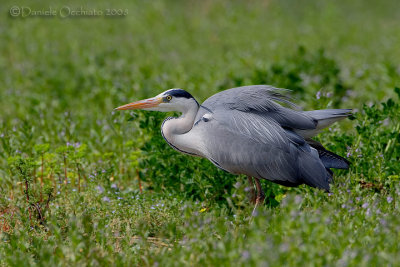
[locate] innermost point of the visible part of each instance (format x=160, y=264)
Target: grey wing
x=246, y=143
x=260, y=100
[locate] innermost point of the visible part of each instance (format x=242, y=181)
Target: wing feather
x=260, y=100
x=248, y=132
x=246, y=143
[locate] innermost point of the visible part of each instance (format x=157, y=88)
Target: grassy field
x=81, y=184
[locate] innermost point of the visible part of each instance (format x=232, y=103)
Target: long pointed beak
x=142, y=104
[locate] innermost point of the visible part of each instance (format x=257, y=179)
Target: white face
x=166, y=101
x=173, y=103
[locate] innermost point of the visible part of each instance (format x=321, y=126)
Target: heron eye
x=168, y=97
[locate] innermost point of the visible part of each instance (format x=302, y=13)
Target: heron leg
x=260, y=195
x=253, y=196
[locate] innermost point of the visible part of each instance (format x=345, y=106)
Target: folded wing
x=246, y=131
x=246, y=143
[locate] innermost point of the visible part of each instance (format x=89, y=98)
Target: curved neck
x=180, y=125
x=172, y=128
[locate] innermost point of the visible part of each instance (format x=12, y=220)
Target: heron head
x=170, y=100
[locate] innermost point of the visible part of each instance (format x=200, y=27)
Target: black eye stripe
x=179, y=93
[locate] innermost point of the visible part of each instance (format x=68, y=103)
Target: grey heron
x=245, y=130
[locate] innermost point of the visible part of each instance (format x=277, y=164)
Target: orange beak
x=142, y=104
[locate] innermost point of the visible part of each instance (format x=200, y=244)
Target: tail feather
x=331, y=160
x=324, y=117
x=328, y=158
x=324, y=114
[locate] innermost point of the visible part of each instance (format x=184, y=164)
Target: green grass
x=117, y=194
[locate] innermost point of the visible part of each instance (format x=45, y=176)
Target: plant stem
x=48, y=201
x=27, y=190
x=79, y=177
x=65, y=169
x=140, y=182
x=52, y=179
x=41, y=182
x=27, y=200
